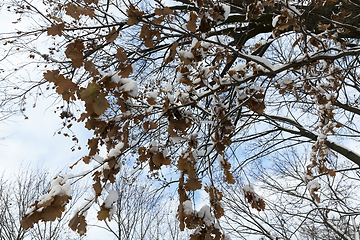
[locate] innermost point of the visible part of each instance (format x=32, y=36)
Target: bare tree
x=292, y=212
x=17, y=193
x=141, y=210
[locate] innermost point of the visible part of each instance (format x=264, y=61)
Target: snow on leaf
x=188, y=208
x=129, y=86
x=49, y=206
x=252, y=198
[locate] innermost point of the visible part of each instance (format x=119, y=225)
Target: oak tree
x=189, y=87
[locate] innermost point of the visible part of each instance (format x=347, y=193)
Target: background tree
x=195, y=85
x=290, y=212
x=142, y=211
x=18, y=193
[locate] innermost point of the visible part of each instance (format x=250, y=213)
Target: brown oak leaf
x=74, y=51
x=55, y=29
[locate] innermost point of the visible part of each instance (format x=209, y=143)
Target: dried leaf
x=46, y=211
x=204, y=25
x=93, y=146
x=323, y=27
x=172, y=53
x=147, y=35
x=153, y=125
x=75, y=11
x=90, y=92
x=158, y=20
x=74, y=52
x=112, y=35
x=120, y=55
x=100, y=104
x=191, y=25
x=193, y=184
x=126, y=70
x=134, y=15
x=331, y=172
x=78, y=224
x=55, y=29
x=64, y=86
x=90, y=67
x=103, y=214
x=91, y=1
x=164, y=11
x=255, y=201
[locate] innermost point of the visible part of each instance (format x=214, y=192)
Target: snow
x=286, y=81
x=225, y=80
x=226, y=9
x=111, y=198
x=242, y=96
x=116, y=150
x=227, y=237
x=248, y=188
x=307, y=178
x=193, y=43
x=205, y=71
x=239, y=68
x=275, y=20
x=154, y=146
x=176, y=140
x=115, y=78
x=59, y=187
x=294, y=9
x=201, y=153
x=168, y=87
x=321, y=137
x=130, y=86
x=186, y=54
x=313, y=185
x=149, y=110
x=262, y=61
x=205, y=45
x=205, y=214
x=221, y=161
x=153, y=94
x=188, y=208
x=97, y=158
x=171, y=98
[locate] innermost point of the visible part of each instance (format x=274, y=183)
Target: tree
x=290, y=212
x=190, y=86
x=17, y=193
x=141, y=212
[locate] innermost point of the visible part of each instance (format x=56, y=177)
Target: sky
x=33, y=142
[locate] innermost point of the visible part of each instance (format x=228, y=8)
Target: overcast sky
x=32, y=142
